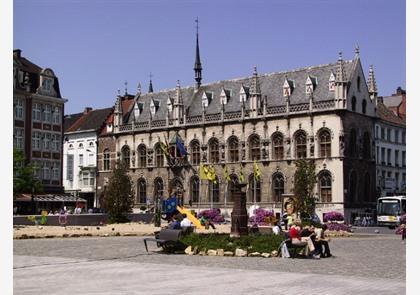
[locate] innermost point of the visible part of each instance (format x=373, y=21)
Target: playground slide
x=191, y=217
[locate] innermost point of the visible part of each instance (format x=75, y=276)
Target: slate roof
x=387, y=115
x=92, y=120
x=71, y=119
x=271, y=85
x=392, y=101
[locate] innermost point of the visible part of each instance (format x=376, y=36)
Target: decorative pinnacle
x=139, y=88
x=125, y=84
x=340, y=56
x=357, y=50
x=255, y=70
x=118, y=92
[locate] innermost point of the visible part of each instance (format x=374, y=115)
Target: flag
x=241, y=176
x=203, y=171
x=257, y=171
x=170, y=205
x=212, y=175
x=181, y=147
x=164, y=148
x=226, y=173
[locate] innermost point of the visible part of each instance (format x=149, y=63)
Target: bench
x=291, y=247
x=168, y=239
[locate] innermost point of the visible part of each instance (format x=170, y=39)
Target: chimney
x=87, y=110
x=17, y=53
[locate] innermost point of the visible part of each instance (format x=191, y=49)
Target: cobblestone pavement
x=120, y=265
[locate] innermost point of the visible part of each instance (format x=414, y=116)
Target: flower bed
x=262, y=243
x=338, y=227
x=214, y=215
x=333, y=216
x=263, y=217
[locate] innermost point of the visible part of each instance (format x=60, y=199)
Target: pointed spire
x=150, y=84
x=340, y=73
x=118, y=105
x=197, y=64
x=139, y=89
x=371, y=81
x=125, y=87
x=255, y=87
x=178, y=95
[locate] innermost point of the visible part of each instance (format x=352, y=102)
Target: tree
x=305, y=179
x=119, y=195
x=24, y=180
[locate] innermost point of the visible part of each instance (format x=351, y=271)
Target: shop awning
x=49, y=198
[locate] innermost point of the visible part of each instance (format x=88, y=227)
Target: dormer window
x=225, y=96
x=310, y=85
x=288, y=87
x=206, y=98
x=154, y=106
x=331, y=82
x=243, y=94
x=137, y=110
x=169, y=104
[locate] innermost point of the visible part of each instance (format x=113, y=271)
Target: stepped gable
x=271, y=85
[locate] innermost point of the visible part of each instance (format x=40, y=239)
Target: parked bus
x=390, y=209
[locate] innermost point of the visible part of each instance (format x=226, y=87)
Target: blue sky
x=94, y=46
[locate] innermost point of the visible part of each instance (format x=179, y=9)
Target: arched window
x=364, y=106
x=80, y=145
x=195, y=152
x=325, y=187
x=233, y=149
x=277, y=143
x=353, y=188
x=195, y=189
x=158, y=188
x=300, y=142
x=366, y=145
x=141, y=190
x=106, y=160
x=278, y=187
x=125, y=156
x=158, y=155
x=353, y=143
x=214, y=191
x=254, y=189
x=324, y=138
x=232, y=187
x=353, y=103
x=142, y=151
x=254, y=147
x=214, y=150
x=358, y=83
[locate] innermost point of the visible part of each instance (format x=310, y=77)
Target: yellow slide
x=191, y=217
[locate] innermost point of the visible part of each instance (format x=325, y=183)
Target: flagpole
x=226, y=184
x=211, y=201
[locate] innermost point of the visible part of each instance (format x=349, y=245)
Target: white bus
x=390, y=209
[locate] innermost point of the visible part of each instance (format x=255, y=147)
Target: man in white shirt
x=185, y=221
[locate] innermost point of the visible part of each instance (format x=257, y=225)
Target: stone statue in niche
x=288, y=155
x=222, y=152
x=342, y=145
x=264, y=153
x=133, y=160
x=204, y=156
x=312, y=149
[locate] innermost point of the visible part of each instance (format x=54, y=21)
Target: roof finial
x=371, y=81
x=118, y=92
x=150, y=83
x=357, y=50
x=139, y=88
x=339, y=72
x=255, y=86
x=197, y=64
x=125, y=84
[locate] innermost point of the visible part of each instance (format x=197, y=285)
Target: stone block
x=211, y=252
x=240, y=252
x=228, y=253
x=220, y=252
x=254, y=254
x=188, y=250
x=274, y=253
x=266, y=255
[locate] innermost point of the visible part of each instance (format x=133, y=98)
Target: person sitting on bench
x=296, y=238
x=185, y=221
x=321, y=240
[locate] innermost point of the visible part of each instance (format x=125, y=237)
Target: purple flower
x=333, y=216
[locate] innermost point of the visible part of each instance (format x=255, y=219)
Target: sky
x=95, y=46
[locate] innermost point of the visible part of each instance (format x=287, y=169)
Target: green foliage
x=305, y=180
x=23, y=176
x=119, y=195
x=252, y=243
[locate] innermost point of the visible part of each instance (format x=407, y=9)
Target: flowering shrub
x=213, y=215
x=333, y=216
x=338, y=227
x=262, y=217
